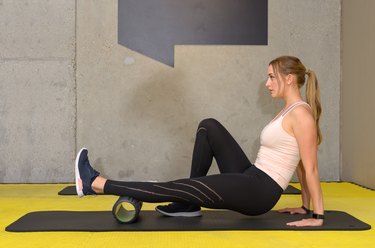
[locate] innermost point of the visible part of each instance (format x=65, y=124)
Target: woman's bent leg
x=214, y=141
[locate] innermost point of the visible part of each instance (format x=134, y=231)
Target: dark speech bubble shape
x=154, y=27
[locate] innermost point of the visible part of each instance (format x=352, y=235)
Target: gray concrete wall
x=37, y=91
x=358, y=87
x=138, y=116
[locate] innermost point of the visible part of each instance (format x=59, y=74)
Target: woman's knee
x=209, y=123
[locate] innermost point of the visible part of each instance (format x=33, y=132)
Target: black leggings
x=241, y=186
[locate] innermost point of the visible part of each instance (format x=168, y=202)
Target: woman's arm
x=305, y=195
x=305, y=132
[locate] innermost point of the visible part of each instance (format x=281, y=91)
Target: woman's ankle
x=98, y=184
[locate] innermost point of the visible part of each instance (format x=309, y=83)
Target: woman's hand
x=292, y=210
x=306, y=222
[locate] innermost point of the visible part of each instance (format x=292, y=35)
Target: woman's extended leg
x=252, y=192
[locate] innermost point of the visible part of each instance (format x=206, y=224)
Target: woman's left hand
x=306, y=222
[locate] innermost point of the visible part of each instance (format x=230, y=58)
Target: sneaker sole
x=180, y=214
x=77, y=175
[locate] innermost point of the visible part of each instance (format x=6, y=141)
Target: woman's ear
x=289, y=79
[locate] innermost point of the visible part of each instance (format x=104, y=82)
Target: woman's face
x=275, y=85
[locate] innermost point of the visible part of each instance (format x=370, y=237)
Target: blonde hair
x=291, y=65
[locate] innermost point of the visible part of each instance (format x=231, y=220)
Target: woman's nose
x=268, y=82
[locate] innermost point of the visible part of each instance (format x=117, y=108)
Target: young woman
x=288, y=143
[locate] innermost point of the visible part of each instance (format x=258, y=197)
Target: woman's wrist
x=314, y=215
x=318, y=216
x=306, y=209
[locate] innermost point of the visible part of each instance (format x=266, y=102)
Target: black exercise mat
x=71, y=190
x=291, y=190
x=68, y=190
x=101, y=221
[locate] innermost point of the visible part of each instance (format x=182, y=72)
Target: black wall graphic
x=153, y=27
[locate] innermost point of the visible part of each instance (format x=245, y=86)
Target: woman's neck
x=292, y=100
x=292, y=96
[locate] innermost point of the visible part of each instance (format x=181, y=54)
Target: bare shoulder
x=301, y=115
x=299, y=121
x=301, y=110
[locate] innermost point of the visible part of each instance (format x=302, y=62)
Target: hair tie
x=308, y=72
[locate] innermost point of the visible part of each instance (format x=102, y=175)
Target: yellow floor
x=16, y=200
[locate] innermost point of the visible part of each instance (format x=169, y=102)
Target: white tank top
x=278, y=155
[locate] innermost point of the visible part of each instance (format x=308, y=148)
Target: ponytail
x=313, y=99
